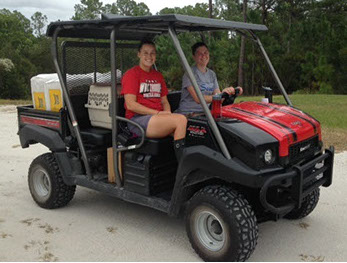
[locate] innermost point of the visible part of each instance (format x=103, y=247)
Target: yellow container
x=55, y=99
x=39, y=100
x=46, y=92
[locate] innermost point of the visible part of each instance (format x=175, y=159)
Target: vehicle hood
x=287, y=124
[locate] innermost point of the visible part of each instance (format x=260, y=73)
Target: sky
x=64, y=9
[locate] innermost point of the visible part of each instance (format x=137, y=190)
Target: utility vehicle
x=260, y=161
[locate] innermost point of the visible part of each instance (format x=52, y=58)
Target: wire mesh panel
x=86, y=63
x=86, y=67
x=126, y=57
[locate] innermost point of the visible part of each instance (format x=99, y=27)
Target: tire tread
x=237, y=206
x=62, y=193
x=308, y=205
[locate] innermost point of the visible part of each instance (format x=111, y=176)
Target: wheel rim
x=210, y=231
x=41, y=183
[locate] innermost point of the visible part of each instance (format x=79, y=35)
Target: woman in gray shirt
x=206, y=79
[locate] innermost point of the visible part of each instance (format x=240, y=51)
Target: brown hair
x=145, y=42
x=197, y=45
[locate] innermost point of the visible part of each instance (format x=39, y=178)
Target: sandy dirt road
x=96, y=227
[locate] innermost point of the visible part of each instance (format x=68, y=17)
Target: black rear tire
x=308, y=205
x=46, y=183
x=221, y=225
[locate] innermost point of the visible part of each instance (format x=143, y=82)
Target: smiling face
x=147, y=56
x=202, y=56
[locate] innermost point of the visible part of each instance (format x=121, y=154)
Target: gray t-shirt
x=207, y=83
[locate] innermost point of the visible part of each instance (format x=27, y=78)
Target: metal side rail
x=301, y=182
x=135, y=146
x=121, y=193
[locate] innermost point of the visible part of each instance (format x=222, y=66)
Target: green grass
x=330, y=110
x=15, y=102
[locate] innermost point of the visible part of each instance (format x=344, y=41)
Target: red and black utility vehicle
x=259, y=161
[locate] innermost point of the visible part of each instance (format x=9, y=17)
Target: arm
x=133, y=105
x=163, y=99
x=229, y=90
x=166, y=104
x=208, y=98
x=186, y=83
x=217, y=91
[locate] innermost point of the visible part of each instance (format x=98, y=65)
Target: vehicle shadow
x=153, y=230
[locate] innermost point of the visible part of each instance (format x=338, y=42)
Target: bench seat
x=95, y=136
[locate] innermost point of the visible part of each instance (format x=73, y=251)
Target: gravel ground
x=96, y=227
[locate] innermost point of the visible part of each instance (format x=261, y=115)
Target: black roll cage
x=114, y=27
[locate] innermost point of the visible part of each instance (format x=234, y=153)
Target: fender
x=69, y=166
x=212, y=164
x=31, y=134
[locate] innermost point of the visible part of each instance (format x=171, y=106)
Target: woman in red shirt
x=146, y=103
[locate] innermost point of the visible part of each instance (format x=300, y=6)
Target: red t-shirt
x=148, y=87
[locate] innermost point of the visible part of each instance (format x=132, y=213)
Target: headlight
x=268, y=157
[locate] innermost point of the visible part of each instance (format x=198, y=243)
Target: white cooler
x=46, y=92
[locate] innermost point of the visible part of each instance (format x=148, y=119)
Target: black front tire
x=307, y=206
x=221, y=225
x=46, y=183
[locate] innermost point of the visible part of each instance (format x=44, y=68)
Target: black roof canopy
x=136, y=28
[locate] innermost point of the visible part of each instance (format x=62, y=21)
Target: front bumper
x=304, y=179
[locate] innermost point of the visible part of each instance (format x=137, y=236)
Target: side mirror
x=268, y=93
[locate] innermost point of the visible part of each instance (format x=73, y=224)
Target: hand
x=229, y=90
x=241, y=90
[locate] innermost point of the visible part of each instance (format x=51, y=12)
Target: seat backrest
x=120, y=105
x=81, y=112
x=174, y=98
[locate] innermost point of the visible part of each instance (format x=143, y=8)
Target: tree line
x=306, y=41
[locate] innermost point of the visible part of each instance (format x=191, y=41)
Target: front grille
x=303, y=149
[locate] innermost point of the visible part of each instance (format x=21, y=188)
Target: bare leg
x=162, y=125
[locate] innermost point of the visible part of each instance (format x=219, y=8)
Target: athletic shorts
x=142, y=120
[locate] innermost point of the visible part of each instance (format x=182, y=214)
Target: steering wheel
x=229, y=99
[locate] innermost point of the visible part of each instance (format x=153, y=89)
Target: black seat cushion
x=150, y=146
x=157, y=146
x=103, y=137
x=97, y=136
